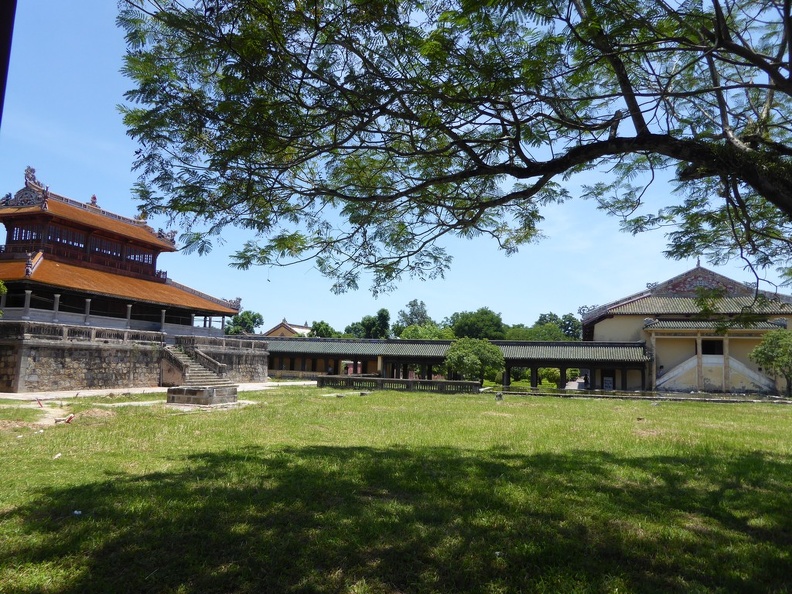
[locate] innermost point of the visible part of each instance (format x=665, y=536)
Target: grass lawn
x=305, y=491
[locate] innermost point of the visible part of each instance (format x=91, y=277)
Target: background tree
x=570, y=326
x=548, y=327
x=355, y=330
x=518, y=332
x=377, y=326
x=482, y=323
x=360, y=134
x=415, y=314
x=474, y=358
x=323, y=330
x=245, y=322
x=428, y=331
x=549, y=332
x=774, y=354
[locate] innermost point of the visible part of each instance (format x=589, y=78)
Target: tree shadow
x=341, y=519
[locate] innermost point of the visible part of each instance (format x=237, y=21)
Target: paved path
x=42, y=396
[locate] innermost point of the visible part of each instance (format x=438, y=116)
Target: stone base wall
x=38, y=357
x=38, y=366
x=242, y=366
x=9, y=367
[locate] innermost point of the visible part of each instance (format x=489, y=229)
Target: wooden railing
x=353, y=382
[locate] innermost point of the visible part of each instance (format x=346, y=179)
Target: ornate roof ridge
x=35, y=193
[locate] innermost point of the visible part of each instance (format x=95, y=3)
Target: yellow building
x=287, y=330
x=691, y=350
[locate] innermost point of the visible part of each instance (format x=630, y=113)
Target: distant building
x=288, y=330
x=690, y=350
x=657, y=339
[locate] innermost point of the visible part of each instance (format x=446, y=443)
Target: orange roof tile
x=64, y=208
x=96, y=282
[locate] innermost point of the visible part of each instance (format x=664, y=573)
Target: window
x=108, y=247
x=712, y=347
x=26, y=233
x=140, y=255
x=58, y=234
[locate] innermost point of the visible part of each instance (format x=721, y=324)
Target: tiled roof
x=706, y=325
x=664, y=305
x=616, y=352
x=677, y=296
x=66, y=209
x=622, y=352
x=67, y=276
x=358, y=347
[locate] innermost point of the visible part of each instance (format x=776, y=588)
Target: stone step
x=197, y=375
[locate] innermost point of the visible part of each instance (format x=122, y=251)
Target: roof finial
x=30, y=176
x=698, y=262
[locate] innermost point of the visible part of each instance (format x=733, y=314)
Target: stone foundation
x=202, y=395
x=42, y=357
x=40, y=366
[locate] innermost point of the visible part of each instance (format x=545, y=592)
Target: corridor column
x=55, y=307
x=87, y=311
x=129, y=315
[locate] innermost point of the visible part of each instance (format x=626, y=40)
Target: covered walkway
x=609, y=365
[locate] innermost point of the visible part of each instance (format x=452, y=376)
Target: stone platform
x=202, y=395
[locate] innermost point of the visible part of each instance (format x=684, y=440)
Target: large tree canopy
x=361, y=133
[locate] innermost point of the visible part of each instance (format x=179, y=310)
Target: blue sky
x=61, y=118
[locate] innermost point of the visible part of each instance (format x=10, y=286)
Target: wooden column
x=55, y=307
x=129, y=315
x=87, y=311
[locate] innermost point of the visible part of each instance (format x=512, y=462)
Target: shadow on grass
x=336, y=519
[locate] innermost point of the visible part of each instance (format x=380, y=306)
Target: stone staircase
x=200, y=385
x=197, y=374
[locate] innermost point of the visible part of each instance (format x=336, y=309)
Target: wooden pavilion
x=72, y=262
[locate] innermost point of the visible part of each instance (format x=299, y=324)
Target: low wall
x=409, y=385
